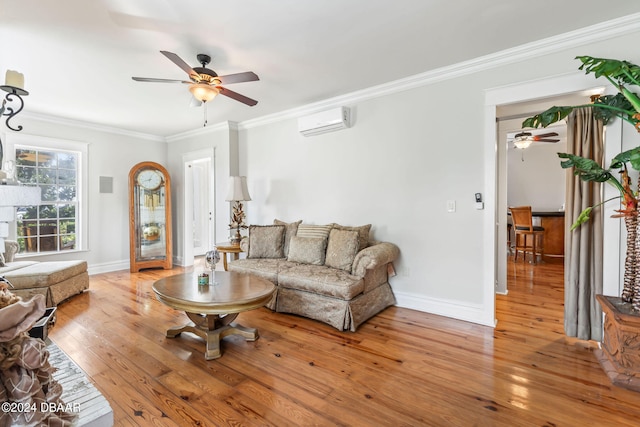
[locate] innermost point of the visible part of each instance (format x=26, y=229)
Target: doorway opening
x=505, y=97
x=199, y=205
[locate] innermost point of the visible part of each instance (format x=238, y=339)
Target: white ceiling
x=78, y=56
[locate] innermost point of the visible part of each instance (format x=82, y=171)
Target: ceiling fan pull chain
x=204, y=109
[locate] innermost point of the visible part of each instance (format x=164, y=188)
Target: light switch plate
x=451, y=205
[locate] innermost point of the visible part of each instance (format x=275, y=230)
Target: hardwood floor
x=401, y=368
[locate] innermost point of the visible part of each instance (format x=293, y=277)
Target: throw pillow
x=307, y=250
x=363, y=234
x=290, y=230
x=305, y=230
x=341, y=249
x=266, y=241
x=2, y=260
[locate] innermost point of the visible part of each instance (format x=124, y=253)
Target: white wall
x=535, y=177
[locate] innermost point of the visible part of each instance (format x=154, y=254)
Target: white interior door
x=198, y=205
x=202, y=214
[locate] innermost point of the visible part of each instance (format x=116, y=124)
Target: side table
x=227, y=248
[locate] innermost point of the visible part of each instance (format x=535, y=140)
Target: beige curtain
x=583, y=247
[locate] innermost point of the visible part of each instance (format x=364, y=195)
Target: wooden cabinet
x=553, y=224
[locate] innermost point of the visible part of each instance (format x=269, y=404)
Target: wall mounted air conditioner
x=324, y=121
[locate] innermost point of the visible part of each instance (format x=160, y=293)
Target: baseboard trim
x=467, y=312
x=108, y=267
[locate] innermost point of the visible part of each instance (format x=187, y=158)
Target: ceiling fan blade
x=180, y=63
x=235, y=95
x=247, y=76
x=544, y=135
x=148, y=79
x=547, y=140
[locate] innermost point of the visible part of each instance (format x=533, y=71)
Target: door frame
x=495, y=224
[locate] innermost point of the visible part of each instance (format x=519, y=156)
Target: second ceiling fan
x=204, y=83
x=524, y=139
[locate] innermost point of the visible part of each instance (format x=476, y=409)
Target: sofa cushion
x=341, y=249
x=290, y=230
x=266, y=241
x=306, y=230
x=363, y=234
x=44, y=274
x=321, y=280
x=307, y=250
x=264, y=268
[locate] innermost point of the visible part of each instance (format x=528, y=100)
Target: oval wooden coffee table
x=212, y=308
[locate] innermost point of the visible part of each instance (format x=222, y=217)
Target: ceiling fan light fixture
x=522, y=142
x=203, y=92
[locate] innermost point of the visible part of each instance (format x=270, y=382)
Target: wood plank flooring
x=401, y=368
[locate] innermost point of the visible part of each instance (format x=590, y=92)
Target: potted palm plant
x=619, y=357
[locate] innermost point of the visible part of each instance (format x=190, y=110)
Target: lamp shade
x=238, y=191
x=203, y=92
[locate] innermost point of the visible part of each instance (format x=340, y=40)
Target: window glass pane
x=29, y=244
x=28, y=228
x=27, y=212
x=47, y=159
x=50, y=226
x=48, y=211
x=26, y=174
x=25, y=157
x=67, y=193
x=48, y=193
x=66, y=177
x=67, y=226
x=67, y=242
x=67, y=211
x=67, y=161
x=47, y=176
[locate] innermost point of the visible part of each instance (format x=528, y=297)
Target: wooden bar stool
x=523, y=228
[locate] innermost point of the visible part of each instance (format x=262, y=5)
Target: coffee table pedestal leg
x=212, y=328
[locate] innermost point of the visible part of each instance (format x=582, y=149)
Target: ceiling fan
x=524, y=139
x=204, y=83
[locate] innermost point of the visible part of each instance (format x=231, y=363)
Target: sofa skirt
x=341, y=314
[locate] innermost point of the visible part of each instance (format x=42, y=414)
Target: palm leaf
x=620, y=71
x=586, y=169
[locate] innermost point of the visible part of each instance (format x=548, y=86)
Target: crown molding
x=226, y=126
x=91, y=126
x=594, y=33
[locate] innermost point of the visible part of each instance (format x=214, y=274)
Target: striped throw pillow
x=314, y=231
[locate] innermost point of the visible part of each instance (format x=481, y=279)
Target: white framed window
x=58, y=223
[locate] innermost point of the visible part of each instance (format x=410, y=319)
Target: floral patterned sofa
x=55, y=280
x=330, y=273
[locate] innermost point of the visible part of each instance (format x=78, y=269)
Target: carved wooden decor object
x=620, y=353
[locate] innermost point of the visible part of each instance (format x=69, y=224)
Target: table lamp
x=237, y=194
